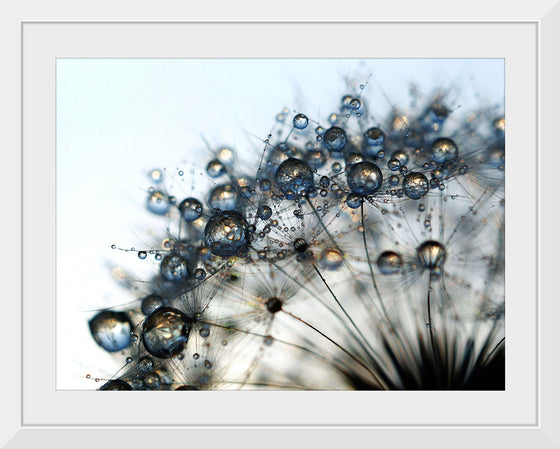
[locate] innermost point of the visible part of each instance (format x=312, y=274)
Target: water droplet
x=431, y=254
x=394, y=180
x=354, y=158
x=114, y=385
x=389, y=262
x=128, y=360
x=207, y=364
x=336, y=167
x=393, y=164
x=415, y=185
x=316, y=159
x=355, y=104
x=226, y=234
x=335, y=139
x=331, y=258
x=226, y=156
x=190, y=209
x=158, y=256
x=215, y=168
x=223, y=197
x=353, y=200
x=265, y=185
x=150, y=303
x=196, y=356
x=264, y=212
x=374, y=137
x=268, y=340
x=199, y=274
x=364, y=178
x=142, y=254
x=300, y=121
x=165, y=332
x=294, y=175
x=111, y=330
x=444, y=150
x=152, y=380
x=113, y=246
x=146, y=364
x=158, y=203
x=156, y=176
x=174, y=268
x=204, y=332
x=181, y=172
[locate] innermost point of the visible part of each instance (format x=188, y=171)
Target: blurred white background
x=117, y=119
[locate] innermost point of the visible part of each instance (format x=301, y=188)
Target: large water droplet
x=300, y=121
x=444, y=150
x=111, y=330
x=158, y=203
x=389, y=262
x=223, y=197
x=331, y=258
x=364, y=178
x=151, y=303
x=374, y=137
x=335, y=139
x=415, y=185
x=226, y=234
x=294, y=175
x=215, y=168
x=165, y=332
x=431, y=254
x=190, y=209
x=264, y=212
x=174, y=268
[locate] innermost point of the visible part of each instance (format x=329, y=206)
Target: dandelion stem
x=369, y=263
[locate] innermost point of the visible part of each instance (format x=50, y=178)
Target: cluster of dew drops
x=350, y=201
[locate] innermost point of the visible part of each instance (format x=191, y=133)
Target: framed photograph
x=310, y=225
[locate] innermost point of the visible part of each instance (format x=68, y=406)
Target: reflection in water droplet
x=415, y=185
x=111, y=330
x=364, y=178
x=335, y=139
x=389, y=262
x=190, y=209
x=223, y=197
x=226, y=234
x=165, y=332
x=158, y=203
x=431, y=254
x=300, y=121
x=294, y=175
x=215, y=168
x=174, y=268
x=444, y=150
x=331, y=258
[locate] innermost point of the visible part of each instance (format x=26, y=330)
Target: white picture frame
x=36, y=415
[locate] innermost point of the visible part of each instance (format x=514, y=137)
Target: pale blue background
x=117, y=119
